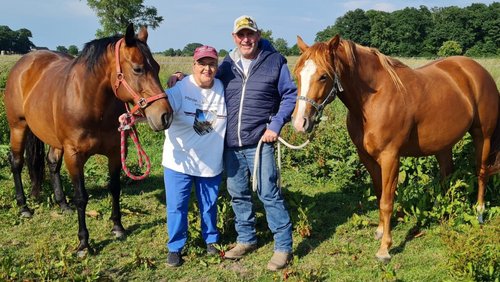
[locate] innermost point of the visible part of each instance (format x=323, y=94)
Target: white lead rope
x=257, y=159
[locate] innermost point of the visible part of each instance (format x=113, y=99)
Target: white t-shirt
x=194, y=142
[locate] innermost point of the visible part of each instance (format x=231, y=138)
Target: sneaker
x=239, y=251
x=279, y=260
x=211, y=249
x=174, y=259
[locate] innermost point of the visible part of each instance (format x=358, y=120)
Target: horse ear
x=301, y=44
x=333, y=43
x=130, y=34
x=143, y=34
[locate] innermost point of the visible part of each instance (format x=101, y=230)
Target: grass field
x=334, y=220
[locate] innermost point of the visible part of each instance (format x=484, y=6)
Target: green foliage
x=188, y=50
x=115, y=15
x=73, y=50
x=474, y=251
x=417, y=32
x=450, y=48
x=15, y=41
x=330, y=200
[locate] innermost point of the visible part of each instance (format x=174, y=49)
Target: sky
x=71, y=22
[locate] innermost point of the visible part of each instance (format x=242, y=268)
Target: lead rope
x=257, y=159
x=127, y=128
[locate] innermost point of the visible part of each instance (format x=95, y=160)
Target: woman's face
x=204, y=71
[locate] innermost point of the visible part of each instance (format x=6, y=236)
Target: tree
x=188, y=50
x=450, y=48
x=115, y=15
x=223, y=52
x=354, y=25
x=15, y=41
x=73, y=50
x=62, y=49
x=281, y=46
x=267, y=34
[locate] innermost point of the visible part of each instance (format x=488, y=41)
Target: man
x=260, y=97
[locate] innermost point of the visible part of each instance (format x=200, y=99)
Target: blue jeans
x=239, y=164
x=178, y=190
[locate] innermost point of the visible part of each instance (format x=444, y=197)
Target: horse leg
x=114, y=166
x=482, y=151
x=389, y=167
x=54, y=160
x=16, y=159
x=35, y=150
x=445, y=161
x=75, y=163
x=373, y=169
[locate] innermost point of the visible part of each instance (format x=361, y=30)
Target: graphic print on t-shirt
x=204, y=121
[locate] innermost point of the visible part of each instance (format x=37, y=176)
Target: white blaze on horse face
x=305, y=80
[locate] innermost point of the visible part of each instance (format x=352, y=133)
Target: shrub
x=450, y=48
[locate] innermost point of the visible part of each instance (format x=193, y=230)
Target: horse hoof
x=82, y=253
x=480, y=219
x=119, y=234
x=67, y=209
x=384, y=258
x=26, y=213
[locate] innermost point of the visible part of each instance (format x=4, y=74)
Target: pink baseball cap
x=205, y=51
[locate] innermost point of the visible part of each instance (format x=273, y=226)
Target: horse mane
x=94, y=51
x=389, y=64
x=323, y=58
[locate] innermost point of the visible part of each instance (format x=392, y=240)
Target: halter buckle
x=142, y=102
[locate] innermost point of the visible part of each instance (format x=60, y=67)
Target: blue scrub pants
x=178, y=189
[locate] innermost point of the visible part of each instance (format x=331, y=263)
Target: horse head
x=137, y=80
x=318, y=82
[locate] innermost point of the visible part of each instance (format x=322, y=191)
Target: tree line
x=410, y=32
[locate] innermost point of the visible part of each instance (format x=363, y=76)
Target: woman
x=192, y=152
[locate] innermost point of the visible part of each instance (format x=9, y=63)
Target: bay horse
x=396, y=111
x=73, y=105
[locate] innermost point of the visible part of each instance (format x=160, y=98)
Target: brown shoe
x=239, y=251
x=279, y=260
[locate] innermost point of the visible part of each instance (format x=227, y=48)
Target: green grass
x=331, y=201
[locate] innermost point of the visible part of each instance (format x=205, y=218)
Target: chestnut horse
x=73, y=105
x=396, y=111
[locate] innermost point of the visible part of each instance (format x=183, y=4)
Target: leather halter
x=140, y=102
x=336, y=89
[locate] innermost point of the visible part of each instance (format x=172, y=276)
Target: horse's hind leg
x=35, y=150
x=445, y=160
x=482, y=151
x=114, y=165
x=54, y=160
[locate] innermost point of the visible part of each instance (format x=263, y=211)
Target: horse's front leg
x=114, y=166
x=373, y=169
x=16, y=159
x=389, y=164
x=54, y=161
x=75, y=163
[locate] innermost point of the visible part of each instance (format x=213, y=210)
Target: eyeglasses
x=204, y=64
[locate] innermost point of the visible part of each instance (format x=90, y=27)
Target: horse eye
x=138, y=70
x=323, y=78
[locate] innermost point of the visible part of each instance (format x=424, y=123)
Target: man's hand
x=174, y=78
x=269, y=136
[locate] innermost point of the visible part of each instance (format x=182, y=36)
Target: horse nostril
x=166, y=120
x=305, y=125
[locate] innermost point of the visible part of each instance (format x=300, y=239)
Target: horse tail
x=35, y=152
x=494, y=158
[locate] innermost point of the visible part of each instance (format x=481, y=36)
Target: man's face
x=247, y=40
